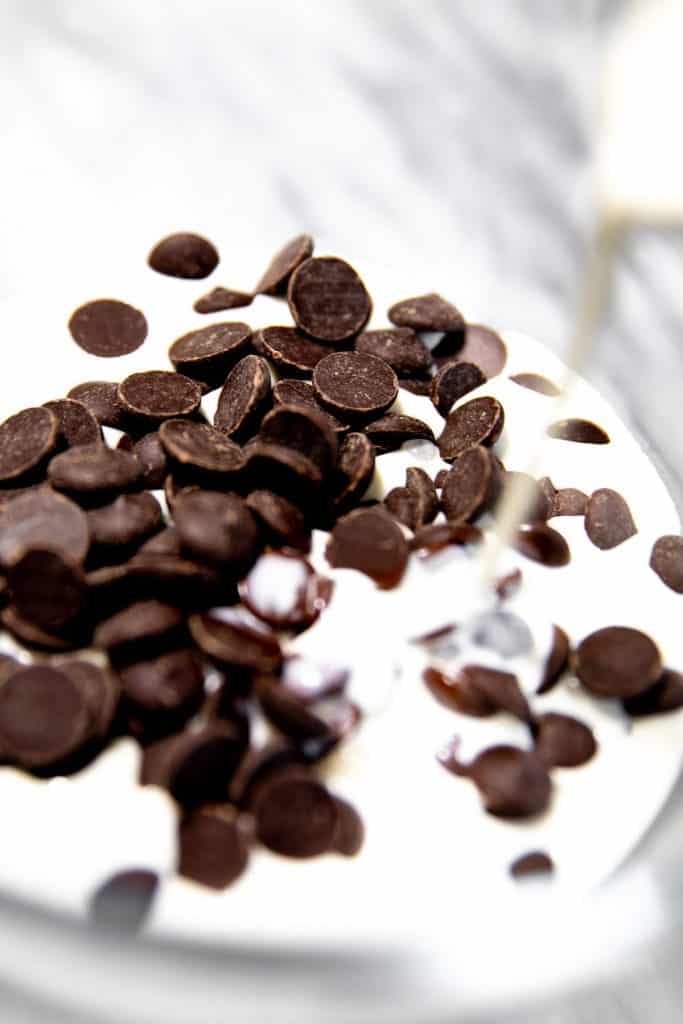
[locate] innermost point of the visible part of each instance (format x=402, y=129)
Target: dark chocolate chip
x=283, y=470
x=152, y=457
x=562, y=741
x=513, y=783
x=355, y=385
x=209, y=353
x=303, y=430
x=440, y=478
x=354, y=471
x=143, y=627
x=124, y=901
x=177, y=580
x=541, y=543
x=184, y=255
x=400, y=347
x=477, y=422
x=95, y=473
x=217, y=528
x=108, y=328
x=234, y=643
x=328, y=720
x=415, y=385
x=478, y=345
x=169, y=685
x=402, y=505
x=350, y=832
x=47, y=589
x=421, y=487
x=8, y=666
x=328, y=300
x=427, y=313
x=43, y=519
x=199, y=446
x=667, y=561
x=608, y=519
x=276, y=277
x=283, y=591
x=290, y=350
x=531, y=864
x=536, y=382
x=166, y=542
x=556, y=661
x=101, y=690
x=665, y=695
x=157, y=395
x=452, y=382
x=300, y=392
x=213, y=847
x=123, y=525
x=370, y=541
x=537, y=507
x=389, y=432
x=26, y=440
x=478, y=691
x=195, y=766
x=43, y=716
x=569, y=501
x=219, y=299
x=296, y=817
x=76, y=423
x=35, y=638
x=581, y=431
x=284, y=523
x=430, y=540
x=503, y=632
x=471, y=486
x=244, y=398
x=102, y=399
x=618, y=662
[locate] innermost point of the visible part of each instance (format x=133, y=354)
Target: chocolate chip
x=184, y=255
x=389, y=432
x=536, y=382
x=157, y=395
x=537, y=507
x=350, y=832
x=513, y=783
x=282, y=590
x=618, y=662
x=234, y=643
x=355, y=470
x=117, y=529
x=415, y=385
x=76, y=425
x=568, y=501
x=430, y=540
x=401, y=348
x=195, y=766
x=26, y=440
x=244, y=398
x=296, y=817
x=508, y=585
x=328, y=300
x=354, y=385
x=284, y=470
x=401, y=503
x=503, y=632
x=608, y=519
x=108, y=328
x=302, y=430
x=143, y=627
x=562, y=741
x=477, y=422
x=471, y=486
x=213, y=847
x=541, y=543
x=582, y=431
x=370, y=541
x=43, y=519
x=166, y=542
x=284, y=523
x=291, y=351
x=478, y=691
x=665, y=695
x=219, y=299
x=421, y=487
x=479, y=345
x=667, y=561
x=327, y=720
x=48, y=590
x=440, y=478
x=101, y=690
x=125, y=900
x=198, y=446
x=532, y=864
x=276, y=277
x=43, y=716
x=556, y=661
x=426, y=313
x=217, y=528
x=177, y=580
x=169, y=686
x=152, y=457
x=300, y=392
x=94, y=474
x=8, y=666
x=209, y=353
x=102, y=399
x=452, y=382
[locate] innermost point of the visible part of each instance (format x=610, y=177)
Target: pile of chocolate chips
x=181, y=605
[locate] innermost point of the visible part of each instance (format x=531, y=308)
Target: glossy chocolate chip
x=400, y=347
x=218, y=528
x=195, y=766
x=209, y=353
x=426, y=313
x=43, y=716
x=540, y=543
x=300, y=392
x=150, y=453
x=170, y=684
x=290, y=350
x=370, y=541
x=76, y=424
x=569, y=501
x=533, y=864
x=608, y=519
x=283, y=522
x=142, y=627
x=232, y=642
x=102, y=399
x=101, y=690
x=328, y=300
x=477, y=422
x=390, y=431
x=218, y=299
x=354, y=471
x=665, y=695
x=26, y=441
x=562, y=741
x=354, y=385
x=123, y=524
x=667, y=561
x=296, y=817
x=156, y=395
x=478, y=691
x=214, y=848
x=95, y=473
x=618, y=662
x=581, y=431
x=166, y=542
x=430, y=540
x=244, y=398
x=108, y=328
x=43, y=519
x=471, y=486
x=48, y=589
x=184, y=254
x=124, y=901
x=536, y=382
x=303, y=430
x=34, y=637
x=513, y=783
x=199, y=446
x=557, y=660
x=452, y=382
x=478, y=345
x=276, y=276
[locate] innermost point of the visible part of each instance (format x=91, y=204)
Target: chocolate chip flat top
x=513, y=783
x=391, y=430
x=608, y=519
x=201, y=446
x=123, y=902
x=219, y=299
x=541, y=543
x=302, y=429
x=231, y=642
x=665, y=695
x=76, y=424
x=354, y=470
x=355, y=385
x=581, y=431
x=244, y=397
x=218, y=528
x=470, y=486
x=276, y=276
x=283, y=521
x=26, y=439
x=400, y=347
x=160, y=394
x=206, y=347
x=140, y=621
x=300, y=392
x=290, y=349
x=169, y=683
x=184, y=255
x=101, y=397
x=328, y=300
x=618, y=662
x=535, y=863
x=48, y=589
x=296, y=817
x=101, y=690
x=562, y=741
x=108, y=328
x=370, y=541
x=667, y=561
x=427, y=313
x=453, y=381
x=213, y=848
x=477, y=344
x=94, y=470
x=151, y=455
x=477, y=422
x=536, y=382
x=129, y=519
x=43, y=519
x=195, y=766
x=43, y=716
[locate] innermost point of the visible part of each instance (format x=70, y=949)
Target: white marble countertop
x=442, y=133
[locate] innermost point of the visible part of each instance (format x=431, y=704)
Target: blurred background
x=448, y=133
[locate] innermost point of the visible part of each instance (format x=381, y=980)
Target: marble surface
x=442, y=133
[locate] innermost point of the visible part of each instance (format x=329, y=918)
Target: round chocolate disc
x=400, y=347
x=354, y=385
x=208, y=353
x=296, y=817
x=76, y=423
x=94, y=471
x=108, y=328
x=479, y=421
x=328, y=300
x=618, y=662
x=43, y=519
x=213, y=847
x=244, y=398
x=199, y=446
x=370, y=541
x=158, y=395
x=274, y=280
x=184, y=255
x=290, y=350
x=26, y=439
x=43, y=716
